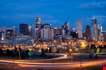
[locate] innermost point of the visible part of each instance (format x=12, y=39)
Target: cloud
x=89, y=5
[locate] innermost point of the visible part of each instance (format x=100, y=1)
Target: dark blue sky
x=56, y=12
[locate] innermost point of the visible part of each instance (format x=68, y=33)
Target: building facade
x=38, y=26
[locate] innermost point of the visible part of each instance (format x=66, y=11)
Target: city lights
x=52, y=35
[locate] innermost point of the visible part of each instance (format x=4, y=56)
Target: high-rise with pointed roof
x=38, y=25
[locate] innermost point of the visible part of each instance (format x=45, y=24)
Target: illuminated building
x=74, y=33
x=66, y=29
x=79, y=29
x=10, y=33
x=104, y=35
x=88, y=33
x=100, y=34
x=58, y=33
x=6, y=36
x=2, y=34
x=30, y=30
x=95, y=29
x=51, y=34
x=38, y=25
x=47, y=33
x=23, y=41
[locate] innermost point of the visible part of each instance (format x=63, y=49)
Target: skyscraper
x=10, y=33
x=2, y=34
x=66, y=28
x=100, y=34
x=47, y=33
x=38, y=25
x=30, y=30
x=104, y=35
x=66, y=31
x=79, y=28
x=95, y=29
x=88, y=33
x=38, y=22
x=24, y=29
x=57, y=33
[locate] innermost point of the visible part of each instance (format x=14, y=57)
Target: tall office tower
x=47, y=32
x=24, y=29
x=74, y=33
x=51, y=34
x=10, y=33
x=100, y=34
x=66, y=29
x=30, y=30
x=104, y=36
x=88, y=33
x=95, y=29
x=38, y=25
x=2, y=34
x=57, y=33
x=79, y=28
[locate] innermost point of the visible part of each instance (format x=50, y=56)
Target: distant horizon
x=17, y=26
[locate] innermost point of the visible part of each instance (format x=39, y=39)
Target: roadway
x=50, y=64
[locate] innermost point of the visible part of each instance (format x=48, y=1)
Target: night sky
x=56, y=12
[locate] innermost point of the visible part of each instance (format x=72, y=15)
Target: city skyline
x=52, y=34
x=54, y=12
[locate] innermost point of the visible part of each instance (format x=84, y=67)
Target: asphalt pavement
x=52, y=64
